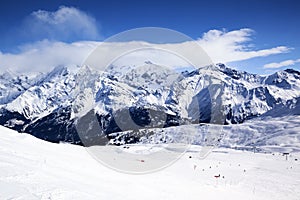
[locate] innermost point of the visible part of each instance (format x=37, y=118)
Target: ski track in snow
x=34, y=169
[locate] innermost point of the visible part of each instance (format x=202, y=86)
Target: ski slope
x=34, y=169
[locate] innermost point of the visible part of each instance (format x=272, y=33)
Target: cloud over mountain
x=220, y=45
x=284, y=63
x=234, y=45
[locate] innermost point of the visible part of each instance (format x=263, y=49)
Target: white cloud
x=221, y=46
x=66, y=23
x=232, y=46
x=43, y=56
x=285, y=63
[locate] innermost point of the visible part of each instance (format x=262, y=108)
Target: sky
x=259, y=36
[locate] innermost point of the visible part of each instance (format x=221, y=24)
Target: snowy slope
x=265, y=133
x=271, y=134
x=34, y=169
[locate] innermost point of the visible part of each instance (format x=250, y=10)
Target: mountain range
x=72, y=104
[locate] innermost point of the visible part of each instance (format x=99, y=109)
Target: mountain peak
x=148, y=62
x=7, y=74
x=292, y=71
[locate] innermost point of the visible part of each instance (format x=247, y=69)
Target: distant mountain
x=11, y=86
x=68, y=102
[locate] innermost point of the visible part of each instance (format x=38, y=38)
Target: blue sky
x=260, y=24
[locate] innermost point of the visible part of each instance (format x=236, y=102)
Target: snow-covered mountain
x=57, y=106
x=13, y=85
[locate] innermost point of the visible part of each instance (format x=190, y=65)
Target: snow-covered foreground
x=34, y=169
